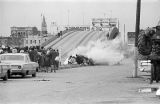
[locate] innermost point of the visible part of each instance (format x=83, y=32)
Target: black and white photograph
x=79, y=51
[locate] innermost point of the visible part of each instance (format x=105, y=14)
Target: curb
x=70, y=66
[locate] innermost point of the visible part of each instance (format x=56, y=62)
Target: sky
x=75, y=12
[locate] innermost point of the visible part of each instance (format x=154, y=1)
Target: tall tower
x=44, y=26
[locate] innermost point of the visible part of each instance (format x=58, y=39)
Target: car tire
x=9, y=74
x=152, y=73
x=157, y=73
x=5, y=78
x=37, y=69
x=34, y=75
x=144, y=44
x=23, y=75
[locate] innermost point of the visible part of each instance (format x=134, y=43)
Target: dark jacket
x=52, y=56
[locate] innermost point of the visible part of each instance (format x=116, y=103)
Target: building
x=104, y=23
x=35, y=40
x=22, y=31
x=44, y=26
x=78, y=27
x=5, y=41
x=29, y=36
x=19, y=34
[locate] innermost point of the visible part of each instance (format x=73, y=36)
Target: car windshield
x=12, y=57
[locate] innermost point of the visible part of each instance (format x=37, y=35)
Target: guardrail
x=55, y=37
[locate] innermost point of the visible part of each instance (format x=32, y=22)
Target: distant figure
x=14, y=50
x=52, y=55
x=33, y=55
x=57, y=59
x=47, y=63
x=21, y=51
x=107, y=35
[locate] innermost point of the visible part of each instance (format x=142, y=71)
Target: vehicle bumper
x=16, y=71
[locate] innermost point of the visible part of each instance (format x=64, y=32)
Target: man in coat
x=52, y=56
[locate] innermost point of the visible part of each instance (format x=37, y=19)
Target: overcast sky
x=28, y=12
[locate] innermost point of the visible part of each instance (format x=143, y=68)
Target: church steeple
x=44, y=26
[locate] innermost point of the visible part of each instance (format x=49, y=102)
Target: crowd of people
x=48, y=60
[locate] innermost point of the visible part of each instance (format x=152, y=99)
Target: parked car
x=144, y=65
x=18, y=64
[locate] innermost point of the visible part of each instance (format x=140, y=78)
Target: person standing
x=57, y=60
x=52, y=56
x=41, y=61
x=47, y=61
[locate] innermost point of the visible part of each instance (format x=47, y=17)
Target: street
x=82, y=85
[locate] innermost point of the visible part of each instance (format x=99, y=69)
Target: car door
x=28, y=65
x=32, y=64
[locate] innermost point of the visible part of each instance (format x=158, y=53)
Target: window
x=26, y=41
x=27, y=58
x=35, y=41
x=12, y=57
x=26, y=35
x=30, y=41
x=39, y=41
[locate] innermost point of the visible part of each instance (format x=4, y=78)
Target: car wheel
x=152, y=73
x=34, y=75
x=5, y=78
x=9, y=74
x=23, y=75
x=37, y=69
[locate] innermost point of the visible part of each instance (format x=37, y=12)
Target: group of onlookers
x=48, y=60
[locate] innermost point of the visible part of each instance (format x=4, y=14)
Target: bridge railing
x=55, y=37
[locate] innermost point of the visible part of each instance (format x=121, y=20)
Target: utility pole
x=83, y=19
x=137, y=28
x=68, y=17
x=111, y=13
x=124, y=33
x=118, y=24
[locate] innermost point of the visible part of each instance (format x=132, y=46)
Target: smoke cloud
x=102, y=51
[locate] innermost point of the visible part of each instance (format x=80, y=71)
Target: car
x=144, y=65
x=18, y=64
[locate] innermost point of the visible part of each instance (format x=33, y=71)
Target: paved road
x=83, y=85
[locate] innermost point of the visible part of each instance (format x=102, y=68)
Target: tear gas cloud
x=102, y=51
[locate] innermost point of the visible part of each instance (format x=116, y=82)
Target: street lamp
x=68, y=17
